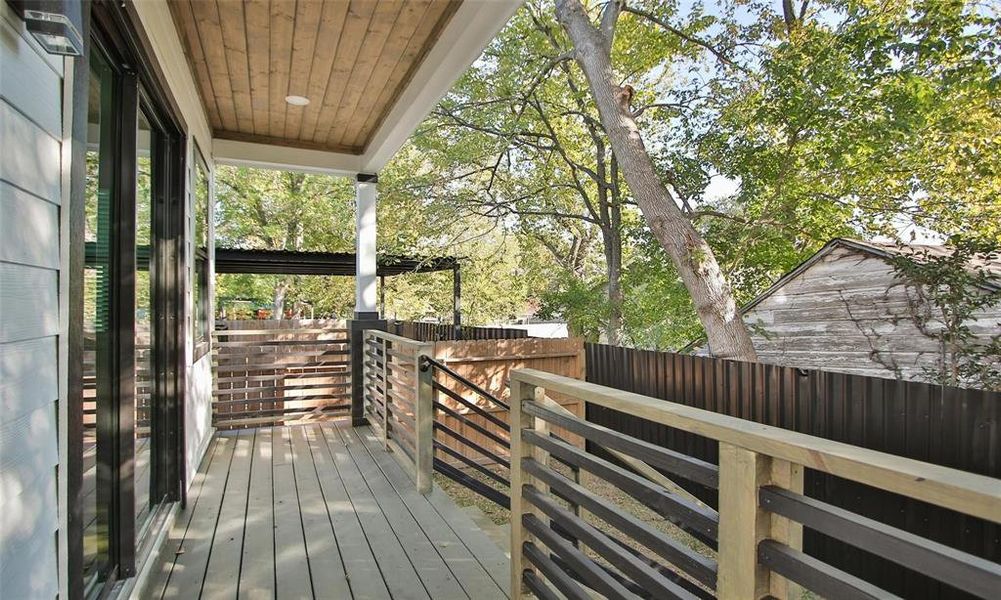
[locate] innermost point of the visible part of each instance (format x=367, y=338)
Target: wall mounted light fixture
x=55, y=24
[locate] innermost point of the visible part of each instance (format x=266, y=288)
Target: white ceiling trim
x=285, y=158
x=471, y=28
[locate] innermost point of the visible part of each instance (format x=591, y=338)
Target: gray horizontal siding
x=30, y=198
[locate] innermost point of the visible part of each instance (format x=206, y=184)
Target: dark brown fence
x=279, y=372
x=440, y=332
x=953, y=427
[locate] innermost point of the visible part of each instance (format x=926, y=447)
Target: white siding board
x=25, y=445
x=30, y=158
x=28, y=524
x=26, y=81
x=29, y=228
x=28, y=376
x=29, y=306
x=31, y=242
x=52, y=61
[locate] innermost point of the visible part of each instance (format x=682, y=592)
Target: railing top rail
x=391, y=337
x=968, y=493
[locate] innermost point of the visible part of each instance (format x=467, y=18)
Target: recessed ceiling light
x=297, y=100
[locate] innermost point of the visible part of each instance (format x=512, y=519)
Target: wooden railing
x=398, y=399
x=665, y=543
x=279, y=372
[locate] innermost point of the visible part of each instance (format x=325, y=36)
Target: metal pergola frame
x=338, y=264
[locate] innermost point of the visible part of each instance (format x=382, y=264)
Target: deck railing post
x=386, y=400
x=520, y=392
x=743, y=524
x=424, y=417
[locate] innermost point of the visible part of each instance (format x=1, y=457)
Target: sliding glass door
x=132, y=289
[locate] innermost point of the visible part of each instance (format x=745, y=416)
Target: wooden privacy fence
x=952, y=427
x=750, y=545
x=279, y=372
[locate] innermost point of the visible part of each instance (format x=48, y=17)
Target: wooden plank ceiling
x=350, y=58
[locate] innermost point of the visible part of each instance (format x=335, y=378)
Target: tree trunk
x=278, y=306
x=692, y=257
x=613, y=259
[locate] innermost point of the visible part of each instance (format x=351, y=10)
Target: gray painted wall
x=31, y=132
x=848, y=313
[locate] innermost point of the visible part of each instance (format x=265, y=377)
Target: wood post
x=385, y=393
x=520, y=392
x=743, y=524
x=424, y=418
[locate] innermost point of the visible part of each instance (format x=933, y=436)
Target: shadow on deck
x=320, y=511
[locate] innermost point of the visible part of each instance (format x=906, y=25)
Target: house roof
x=371, y=70
x=886, y=251
x=879, y=250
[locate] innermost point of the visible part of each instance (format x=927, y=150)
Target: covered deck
x=320, y=511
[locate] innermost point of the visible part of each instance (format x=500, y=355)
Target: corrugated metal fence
x=954, y=427
x=439, y=332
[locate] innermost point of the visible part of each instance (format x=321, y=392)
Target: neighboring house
x=846, y=309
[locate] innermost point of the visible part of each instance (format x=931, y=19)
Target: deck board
x=223, y=572
x=257, y=568
x=326, y=568
x=320, y=511
x=292, y=568
x=188, y=569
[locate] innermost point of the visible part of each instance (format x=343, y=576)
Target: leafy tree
x=947, y=292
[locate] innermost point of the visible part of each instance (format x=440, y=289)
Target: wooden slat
x=359, y=563
x=234, y=36
x=326, y=566
x=292, y=570
x=175, y=538
x=397, y=570
x=437, y=578
x=189, y=566
x=223, y=570
x=972, y=494
x=257, y=575
x=471, y=574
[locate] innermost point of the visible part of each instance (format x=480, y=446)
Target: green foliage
x=947, y=293
x=851, y=118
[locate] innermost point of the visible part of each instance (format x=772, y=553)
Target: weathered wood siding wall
x=848, y=313
x=32, y=263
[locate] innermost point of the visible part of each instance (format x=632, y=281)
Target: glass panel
x=200, y=287
x=97, y=330
x=144, y=318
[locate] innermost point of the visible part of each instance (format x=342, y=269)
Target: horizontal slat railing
x=397, y=399
x=279, y=372
x=664, y=543
x=491, y=463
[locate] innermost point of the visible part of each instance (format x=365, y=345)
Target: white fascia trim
x=474, y=25
x=285, y=158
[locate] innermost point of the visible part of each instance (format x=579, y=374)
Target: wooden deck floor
x=320, y=511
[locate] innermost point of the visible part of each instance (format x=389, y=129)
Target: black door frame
x=110, y=30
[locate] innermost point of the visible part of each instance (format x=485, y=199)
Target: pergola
x=338, y=264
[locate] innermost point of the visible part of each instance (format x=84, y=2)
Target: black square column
x=356, y=335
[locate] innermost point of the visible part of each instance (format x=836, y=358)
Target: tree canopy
x=774, y=126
